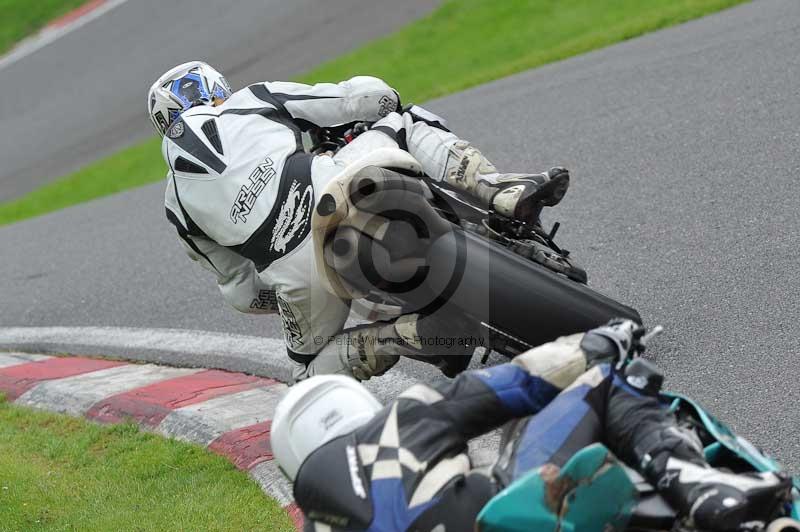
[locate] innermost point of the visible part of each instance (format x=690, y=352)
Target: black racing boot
x=518, y=196
x=522, y=196
x=715, y=500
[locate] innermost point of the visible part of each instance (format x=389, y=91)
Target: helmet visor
x=190, y=90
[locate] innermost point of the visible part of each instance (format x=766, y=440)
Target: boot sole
x=546, y=195
x=552, y=192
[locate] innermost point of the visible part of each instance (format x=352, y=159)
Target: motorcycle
x=386, y=234
x=595, y=492
x=389, y=238
x=395, y=241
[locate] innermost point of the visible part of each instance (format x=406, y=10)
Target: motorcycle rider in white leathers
x=241, y=189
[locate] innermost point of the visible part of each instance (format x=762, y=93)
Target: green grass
x=23, y=17
x=62, y=473
x=468, y=42
x=131, y=167
x=460, y=44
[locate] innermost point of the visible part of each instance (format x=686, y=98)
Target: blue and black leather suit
x=408, y=468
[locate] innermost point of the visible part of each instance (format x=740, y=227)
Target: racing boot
x=715, y=500
x=518, y=196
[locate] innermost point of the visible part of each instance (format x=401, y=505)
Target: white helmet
x=315, y=411
x=183, y=87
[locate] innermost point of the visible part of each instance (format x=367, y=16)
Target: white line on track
x=52, y=33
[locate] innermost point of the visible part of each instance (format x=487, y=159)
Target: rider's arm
x=480, y=400
x=422, y=438
x=362, y=98
x=237, y=278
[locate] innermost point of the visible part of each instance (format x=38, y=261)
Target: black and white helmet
x=313, y=412
x=183, y=87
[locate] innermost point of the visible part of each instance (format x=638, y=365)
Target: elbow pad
x=371, y=98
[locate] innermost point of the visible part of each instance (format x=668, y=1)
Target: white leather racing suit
x=240, y=190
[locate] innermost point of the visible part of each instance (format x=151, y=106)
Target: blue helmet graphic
x=183, y=87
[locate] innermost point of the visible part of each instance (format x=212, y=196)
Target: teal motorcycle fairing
x=726, y=444
x=594, y=493
x=591, y=493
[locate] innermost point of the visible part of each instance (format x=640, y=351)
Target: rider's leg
x=600, y=407
x=313, y=322
x=444, y=156
x=310, y=314
x=641, y=430
x=561, y=429
x=440, y=337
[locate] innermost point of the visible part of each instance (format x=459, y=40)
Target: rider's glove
x=612, y=343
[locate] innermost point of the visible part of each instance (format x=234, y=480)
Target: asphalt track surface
x=82, y=96
x=684, y=150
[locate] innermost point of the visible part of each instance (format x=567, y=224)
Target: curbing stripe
x=75, y=14
x=265, y=357
x=17, y=380
x=295, y=514
x=57, y=29
x=205, y=422
x=199, y=406
x=272, y=481
x=230, y=413
x=76, y=395
x=269, y=476
x=245, y=447
x=149, y=405
x=235, y=424
x=14, y=359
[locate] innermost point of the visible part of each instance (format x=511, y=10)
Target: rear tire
x=491, y=284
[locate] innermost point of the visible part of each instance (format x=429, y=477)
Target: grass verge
x=460, y=44
x=128, y=168
x=63, y=473
x=468, y=42
x=21, y=18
